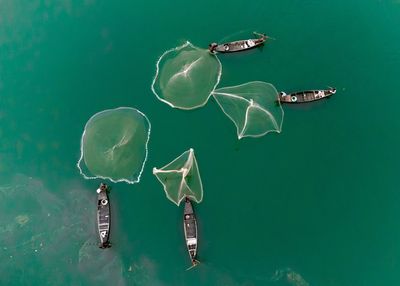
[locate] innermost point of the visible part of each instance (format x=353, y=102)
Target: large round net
x=186, y=76
x=181, y=178
x=253, y=107
x=114, y=145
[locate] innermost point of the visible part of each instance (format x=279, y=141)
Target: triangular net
x=181, y=178
x=253, y=107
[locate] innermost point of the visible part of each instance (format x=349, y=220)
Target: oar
x=263, y=35
x=195, y=263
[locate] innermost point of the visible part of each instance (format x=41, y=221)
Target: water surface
x=320, y=198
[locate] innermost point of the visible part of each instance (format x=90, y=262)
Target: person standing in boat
x=260, y=40
x=102, y=188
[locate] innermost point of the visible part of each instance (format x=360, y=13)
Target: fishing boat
x=306, y=96
x=103, y=216
x=238, y=46
x=190, y=229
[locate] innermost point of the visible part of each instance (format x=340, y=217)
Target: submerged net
x=186, y=76
x=181, y=178
x=48, y=236
x=289, y=276
x=100, y=265
x=114, y=145
x=253, y=107
x=42, y=228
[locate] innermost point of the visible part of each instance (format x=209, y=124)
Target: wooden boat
x=306, y=96
x=190, y=229
x=238, y=46
x=103, y=216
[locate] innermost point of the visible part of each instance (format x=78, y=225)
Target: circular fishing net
x=186, y=76
x=114, y=145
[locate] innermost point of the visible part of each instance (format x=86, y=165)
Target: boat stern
x=104, y=245
x=192, y=247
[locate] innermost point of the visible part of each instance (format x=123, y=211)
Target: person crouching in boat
x=102, y=188
x=260, y=40
x=212, y=47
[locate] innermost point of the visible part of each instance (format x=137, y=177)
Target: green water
x=321, y=198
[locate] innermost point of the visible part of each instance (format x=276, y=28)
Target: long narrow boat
x=190, y=229
x=238, y=46
x=103, y=216
x=305, y=96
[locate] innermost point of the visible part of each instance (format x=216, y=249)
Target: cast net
x=114, y=145
x=181, y=178
x=186, y=76
x=253, y=107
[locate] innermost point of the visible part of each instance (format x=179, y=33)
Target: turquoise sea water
x=317, y=204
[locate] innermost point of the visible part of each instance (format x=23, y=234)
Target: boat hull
x=190, y=230
x=305, y=96
x=238, y=46
x=103, y=219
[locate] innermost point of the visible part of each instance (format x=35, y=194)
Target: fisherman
x=260, y=40
x=102, y=188
x=212, y=47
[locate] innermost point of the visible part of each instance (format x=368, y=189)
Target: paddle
x=263, y=35
x=195, y=263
